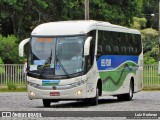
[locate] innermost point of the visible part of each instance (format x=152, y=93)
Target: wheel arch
x=132, y=80
x=99, y=85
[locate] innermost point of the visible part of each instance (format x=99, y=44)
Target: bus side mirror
x=87, y=46
x=21, y=47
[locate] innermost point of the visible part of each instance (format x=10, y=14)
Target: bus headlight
x=79, y=92
x=31, y=93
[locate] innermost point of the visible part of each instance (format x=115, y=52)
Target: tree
x=116, y=11
x=150, y=45
x=149, y=38
x=2, y=70
x=151, y=7
x=73, y=10
x=17, y=16
x=9, y=49
x=139, y=23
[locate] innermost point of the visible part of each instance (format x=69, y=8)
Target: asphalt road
x=142, y=101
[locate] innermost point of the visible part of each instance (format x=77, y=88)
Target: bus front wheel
x=94, y=101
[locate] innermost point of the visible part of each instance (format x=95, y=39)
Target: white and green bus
x=83, y=60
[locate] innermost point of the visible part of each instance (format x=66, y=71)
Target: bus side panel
x=116, y=72
x=124, y=88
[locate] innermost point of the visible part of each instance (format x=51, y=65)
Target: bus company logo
x=6, y=114
x=105, y=62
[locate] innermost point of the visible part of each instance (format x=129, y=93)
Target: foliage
x=139, y=23
x=149, y=32
x=151, y=7
x=21, y=16
x=2, y=70
x=1, y=61
x=150, y=39
x=148, y=59
x=150, y=45
x=18, y=89
x=116, y=11
x=9, y=49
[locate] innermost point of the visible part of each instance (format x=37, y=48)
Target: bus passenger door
x=91, y=67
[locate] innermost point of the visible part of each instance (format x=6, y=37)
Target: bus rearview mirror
x=21, y=47
x=87, y=46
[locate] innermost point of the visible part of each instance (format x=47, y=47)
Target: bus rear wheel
x=46, y=102
x=128, y=96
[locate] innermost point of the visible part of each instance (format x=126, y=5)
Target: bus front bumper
x=78, y=92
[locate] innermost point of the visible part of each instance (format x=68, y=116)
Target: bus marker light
x=54, y=94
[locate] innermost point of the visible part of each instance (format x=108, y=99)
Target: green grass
x=18, y=89
x=153, y=88
x=5, y=82
x=11, y=86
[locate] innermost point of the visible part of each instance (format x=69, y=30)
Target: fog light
x=78, y=92
x=32, y=93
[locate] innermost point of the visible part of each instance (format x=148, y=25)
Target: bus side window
x=116, y=50
x=108, y=49
x=135, y=51
x=123, y=50
x=130, y=50
x=138, y=44
x=99, y=50
x=101, y=42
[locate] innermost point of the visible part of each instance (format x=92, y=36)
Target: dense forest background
x=19, y=17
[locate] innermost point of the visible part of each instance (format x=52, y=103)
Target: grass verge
x=153, y=88
x=18, y=89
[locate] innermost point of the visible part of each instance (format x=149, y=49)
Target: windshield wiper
x=62, y=67
x=49, y=59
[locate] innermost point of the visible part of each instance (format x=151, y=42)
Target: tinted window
x=117, y=43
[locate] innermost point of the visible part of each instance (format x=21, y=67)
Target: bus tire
x=46, y=103
x=128, y=96
x=94, y=101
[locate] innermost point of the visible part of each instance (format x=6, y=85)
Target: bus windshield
x=56, y=55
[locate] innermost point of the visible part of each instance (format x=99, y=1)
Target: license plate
x=54, y=94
